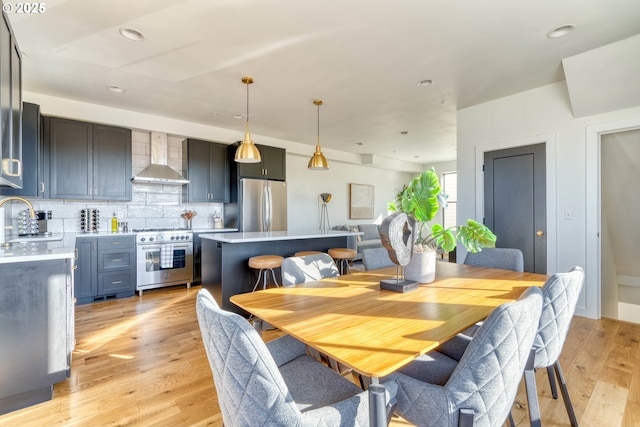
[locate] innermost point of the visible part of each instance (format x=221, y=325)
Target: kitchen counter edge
x=259, y=236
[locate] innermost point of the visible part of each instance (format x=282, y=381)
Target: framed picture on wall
x=361, y=201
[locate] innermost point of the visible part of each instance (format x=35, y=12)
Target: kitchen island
x=36, y=322
x=225, y=270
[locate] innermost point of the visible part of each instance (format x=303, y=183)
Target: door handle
x=539, y=233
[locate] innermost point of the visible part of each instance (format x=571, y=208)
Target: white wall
x=542, y=111
x=305, y=186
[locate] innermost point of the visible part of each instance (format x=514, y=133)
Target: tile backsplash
x=151, y=205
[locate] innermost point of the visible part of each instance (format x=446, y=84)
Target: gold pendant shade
x=318, y=161
x=247, y=152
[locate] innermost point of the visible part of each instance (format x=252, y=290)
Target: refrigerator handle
x=268, y=208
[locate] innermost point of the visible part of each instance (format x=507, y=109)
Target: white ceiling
x=362, y=58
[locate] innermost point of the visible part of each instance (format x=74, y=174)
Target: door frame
x=549, y=140
x=593, y=207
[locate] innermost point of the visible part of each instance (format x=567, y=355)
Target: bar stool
x=305, y=253
x=342, y=256
x=265, y=264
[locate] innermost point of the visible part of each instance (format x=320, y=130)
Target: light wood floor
x=139, y=361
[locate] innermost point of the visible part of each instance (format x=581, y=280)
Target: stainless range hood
x=158, y=172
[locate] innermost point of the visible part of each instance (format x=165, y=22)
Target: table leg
x=377, y=405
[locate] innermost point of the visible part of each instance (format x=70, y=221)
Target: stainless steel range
x=164, y=257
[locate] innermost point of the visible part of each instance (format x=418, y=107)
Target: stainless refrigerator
x=262, y=205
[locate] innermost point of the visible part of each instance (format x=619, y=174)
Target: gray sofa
x=370, y=238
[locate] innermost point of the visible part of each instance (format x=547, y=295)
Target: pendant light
x=247, y=152
x=318, y=161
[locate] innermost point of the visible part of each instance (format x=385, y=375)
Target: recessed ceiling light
x=560, y=31
x=415, y=157
x=116, y=89
x=238, y=116
x=425, y=82
x=359, y=143
x=214, y=114
x=404, y=132
x=131, y=34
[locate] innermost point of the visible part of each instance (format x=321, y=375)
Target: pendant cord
x=247, y=105
x=318, y=125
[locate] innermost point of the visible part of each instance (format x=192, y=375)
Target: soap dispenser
x=114, y=223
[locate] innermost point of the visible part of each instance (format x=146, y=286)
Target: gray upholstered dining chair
x=503, y=258
x=478, y=390
x=307, y=268
x=560, y=295
x=276, y=383
x=373, y=258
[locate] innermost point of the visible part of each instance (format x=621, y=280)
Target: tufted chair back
x=307, y=268
x=560, y=296
x=503, y=258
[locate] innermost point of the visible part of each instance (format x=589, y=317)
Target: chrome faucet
x=32, y=213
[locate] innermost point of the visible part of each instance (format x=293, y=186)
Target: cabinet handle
x=95, y=191
x=76, y=253
x=42, y=186
x=116, y=260
x=115, y=243
x=117, y=282
x=90, y=193
x=6, y=167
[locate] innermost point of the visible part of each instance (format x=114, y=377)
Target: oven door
x=164, y=264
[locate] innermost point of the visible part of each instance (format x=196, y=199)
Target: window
x=450, y=187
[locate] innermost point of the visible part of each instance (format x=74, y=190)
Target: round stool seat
x=305, y=253
x=342, y=253
x=265, y=261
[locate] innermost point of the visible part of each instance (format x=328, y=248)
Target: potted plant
x=421, y=199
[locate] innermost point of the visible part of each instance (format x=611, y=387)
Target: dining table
x=376, y=331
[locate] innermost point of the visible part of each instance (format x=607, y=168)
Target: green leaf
x=420, y=198
x=475, y=236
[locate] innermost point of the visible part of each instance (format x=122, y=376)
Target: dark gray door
x=515, y=202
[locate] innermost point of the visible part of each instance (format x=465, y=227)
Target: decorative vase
x=421, y=267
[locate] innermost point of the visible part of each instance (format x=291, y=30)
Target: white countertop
x=41, y=251
x=261, y=236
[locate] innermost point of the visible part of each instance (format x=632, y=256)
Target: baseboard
x=629, y=312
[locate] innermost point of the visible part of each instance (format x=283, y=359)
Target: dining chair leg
x=511, y=422
x=565, y=394
x=258, y=325
x=532, y=392
x=465, y=418
x=552, y=382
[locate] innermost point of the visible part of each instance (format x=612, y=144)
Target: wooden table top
x=374, y=331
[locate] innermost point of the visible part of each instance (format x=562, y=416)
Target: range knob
x=142, y=239
x=151, y=239
x=173, y=237
x=159, y=237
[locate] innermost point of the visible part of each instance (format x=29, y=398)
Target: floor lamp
x=324, y=214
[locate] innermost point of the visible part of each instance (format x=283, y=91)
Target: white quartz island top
x=25, y=252
x=267, y=236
